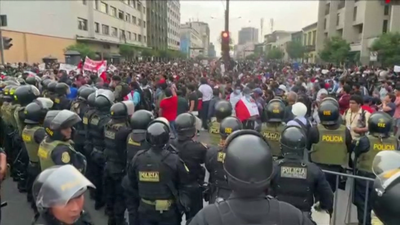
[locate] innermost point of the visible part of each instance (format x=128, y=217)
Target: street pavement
x=18, y=211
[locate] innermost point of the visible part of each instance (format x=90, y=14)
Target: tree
x=83, y=49
x=126, y=51
x=388, y=48
x=275, y=53
x=336, y=50
x=252, y=57
x=295, y=50
x=146, y=53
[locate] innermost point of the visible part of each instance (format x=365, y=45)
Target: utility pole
x=1, y=44
x=226, y=53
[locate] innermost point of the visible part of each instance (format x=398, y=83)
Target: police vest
x=135, y=142
x=45, y=150
x=293, y=184
x=217, y=172
x=331, y=148
x=79, y=108
x=215, y=137
x=96, y=130
x=114, y=150
x=273, y=134
x=364, y=161
x=28, y=136
x=20, y=124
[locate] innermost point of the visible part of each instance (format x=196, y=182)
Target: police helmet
x=104, y=99
x=6, y=94
x=385, y=196
x=25, y=94
x=380, y=124
x=275, y=111
x=85, y=91
x=122, y=110
x=57, y=185
x=21, y=81
x=293, y=142
x=12, y=93
x=12, y=81
x=45, y=83
x=62, y=89
x=64, y=119
x=185, y=125
x=229, y=125
x=51, y=86
x=223, y=109
x=31, y=80
x=328, y=111
x=91, y=100
x=249, y=172
x=141, y=119
x=157, y=133
x=36, y=111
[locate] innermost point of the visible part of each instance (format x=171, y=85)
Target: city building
x=211, y=51
x=278, y=39
x=358, y=22
x=297, y=36
x=103, y=25
x=204, y=31
x=309, y=41
x=243, y=50
x=157, y=30
x=174, y=22
x=248, y=34
x=191, y=42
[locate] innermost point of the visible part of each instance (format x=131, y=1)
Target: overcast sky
x=287, y=15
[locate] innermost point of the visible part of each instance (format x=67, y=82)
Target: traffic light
x=7, y=43
x=225, y=41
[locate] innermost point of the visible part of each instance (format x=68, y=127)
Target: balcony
x=309, y=48
x=355, y=46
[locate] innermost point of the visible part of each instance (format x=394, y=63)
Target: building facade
x=102, y=25
x=204, y=31
x=191, y=41
x=278, y=39
x=248, y=34
x=309, y=42
x=174, y=22
x=157, y=30
x=211, y=51
x=358, y=22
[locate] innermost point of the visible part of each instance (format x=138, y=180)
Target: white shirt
x=207, y=92
x=320, y=92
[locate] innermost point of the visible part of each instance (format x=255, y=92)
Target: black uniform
x=61, y=101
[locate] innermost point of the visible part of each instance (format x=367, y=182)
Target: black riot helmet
x=248, y=162
x=47, y=120
x=229, y=125
x=12, y=93
x=51, y=86
x=328, y=111
x=64, y=119
x=293, y=142
x=92, y=100
x=185, y=125
x=6, y=94
x=25, y=94
x=85, y=91
x=157, y=133
x=57, y=185
x=275, y=111
x=385, y=196
x=223, y=109
x=62, y=89
x=31, y=80
x=380, y=124
x=45, y=83
x=141, y=119
x=104, y=99
x=122, y=110
x=36, y=111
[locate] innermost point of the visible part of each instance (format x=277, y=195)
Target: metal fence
x=350, y=178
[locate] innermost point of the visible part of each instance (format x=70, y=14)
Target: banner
x=396, y=69
x=42, y=66
x=67, y=67
x=91, y=65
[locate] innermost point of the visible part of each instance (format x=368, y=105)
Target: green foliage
x=252, y=57
x=295, y=50
x=336, y=50
x=83, y=49
x=126, y=51
x=388, y=48
x=275, y=53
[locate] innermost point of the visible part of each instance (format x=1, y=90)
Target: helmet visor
x=386, y=167
x=106, y=93
x=130, y=107
x=46, y=103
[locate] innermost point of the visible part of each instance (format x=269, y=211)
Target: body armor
x=114, y=151
x=214, y=133
x=273, y=134
x=219, y=184
x=96, y=130
x=88, y=145
x=135, y=142
x=18, y=121
x=28, y=136
x=45, y=150
x=79, y=108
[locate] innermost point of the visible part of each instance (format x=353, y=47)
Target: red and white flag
x=245, y=109
x=101, y=71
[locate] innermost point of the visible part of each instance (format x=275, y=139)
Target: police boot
x=22, y=185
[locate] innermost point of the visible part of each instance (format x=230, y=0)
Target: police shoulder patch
x=65, y=158
x=294, y=172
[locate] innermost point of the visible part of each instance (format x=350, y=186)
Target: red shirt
x=169, y=108
x=367, y=108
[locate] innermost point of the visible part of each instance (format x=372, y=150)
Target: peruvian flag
x=79, y=67
x=245, y=109
x=101, y=71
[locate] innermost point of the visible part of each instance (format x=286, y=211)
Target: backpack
x=146, y=100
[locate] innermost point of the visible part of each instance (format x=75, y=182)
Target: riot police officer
x=331, y=150
x=249, y=174
x=56, y=148
x=59, y=195
x=32, y=135
x=385, y=197
x=223, y=109
x=45, y=91
x=97, y=122
x=273, y=129
x=157, y=176
x=115, y=135
x=135, y=142
x=379, y=138
x=61, y=101
x=51, y=91
x=296, y=181
x=193, y=154
x=32, y=80
x=16, y=141
x=218, y=184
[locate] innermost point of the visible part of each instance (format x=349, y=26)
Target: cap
x=258, y=91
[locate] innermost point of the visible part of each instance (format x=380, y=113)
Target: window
x=96, y=27
x=337, y=19
x=144, y=10
x=82, y=24
x=341, y=4
x=314, y=37
x=139, y=22
x=126, y=2
x=113, y=11
x=114, y=32
x=105, y=29
x=121, y=14
x=128, y=17
x=327, y=8
x=144, y=39
x=140, y=38
x=144, y=24
x=360, y=29
x=134, y=36
x=386, y=10
x=355, y=13
x=84, y=2
x=129, y=35
x=132, y=3
x=103, y=7
x=325, y=23
x=96, y=4
x=122, y=34
x=309, y=39
x=133, y=20
x=139, y=6
x=385, y=26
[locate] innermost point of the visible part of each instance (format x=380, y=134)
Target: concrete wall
x=174, y=21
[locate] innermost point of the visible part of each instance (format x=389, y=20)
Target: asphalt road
x=18, y=211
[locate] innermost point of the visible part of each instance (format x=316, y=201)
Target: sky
x=287, y=15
